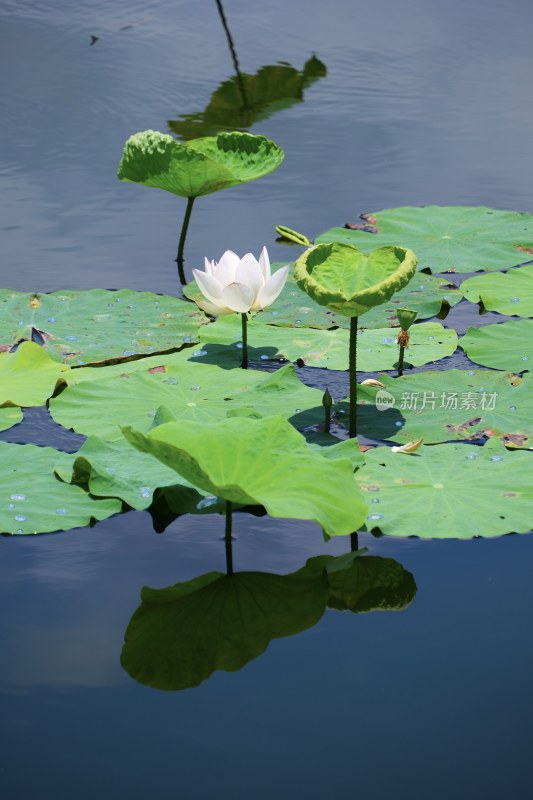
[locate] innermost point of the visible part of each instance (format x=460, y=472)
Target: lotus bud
x=406, y=317
x=410, y=447
x=372, y=382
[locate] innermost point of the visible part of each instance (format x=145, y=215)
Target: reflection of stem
x=400, y=361
x=233, y=53
x=184, y=227
x=353, y=377
x=227, y=539
x=354, y=542
x=244, y=362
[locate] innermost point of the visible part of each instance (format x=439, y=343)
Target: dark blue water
x=423, y=102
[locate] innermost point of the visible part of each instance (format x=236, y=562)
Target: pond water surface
x=423, y=102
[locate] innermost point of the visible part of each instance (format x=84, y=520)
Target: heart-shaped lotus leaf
x=505, y=292
x=377, y=348
x=201, y=166
x=10, y=416
x=34, y=500
x=366, y=583
x=245, y=99
x=98, y=326
x=28, y=376
x=260, y=462
x=505, y=345
x=445, y=238
x=347, y=281
x=449, y=491
x=441, y=406
x=190, y=391
x=180, y=635
x=113, y=469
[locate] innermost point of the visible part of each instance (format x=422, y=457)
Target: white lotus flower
x=238, y=285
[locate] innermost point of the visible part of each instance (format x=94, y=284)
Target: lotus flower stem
x=354, y=542
x=179, y=258
x=244, y=362
x=353, y=377
x=227, y=539
x=400, y=361
x=327, y=402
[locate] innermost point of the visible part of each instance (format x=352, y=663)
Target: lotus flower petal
x=272, y=288
x=226, y=267
x=238, y=297
x=249, y=273
x=210, y=287
x=211, y=308
x=264, y=263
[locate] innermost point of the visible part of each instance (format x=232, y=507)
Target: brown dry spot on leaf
x=510, y=494
x=524, y=249
x=368, y=224
x=124, y=375
x=514, y=439
x=162, y=368
x=35, y=301
x=463, y=426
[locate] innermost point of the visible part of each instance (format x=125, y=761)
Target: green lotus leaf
x=456, y=404
x=180, y=635
x=345, y=280
x=98, y=326
x=201, y=166
x=505, y=292
x=366, y=583
x=446, y=238
x=246, y=99
x=259, y=462
x=204, y=393
x=449, y=491
x=10, y=416
x=28, y=376
x=507, y=345
x=34, y=500
x=377, y=348
x=113, y=469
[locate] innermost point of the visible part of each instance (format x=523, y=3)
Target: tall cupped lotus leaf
x=201, y=166
x=260, y=462
x=349, y=282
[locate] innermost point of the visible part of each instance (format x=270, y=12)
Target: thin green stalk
x=327, y=402
x=353, y=377
x=244, y=362
x=179, y=258
x=400, y=361
x=227, y=539
x=354, y=542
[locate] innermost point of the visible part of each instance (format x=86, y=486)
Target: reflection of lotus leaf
x=260, y=462
x=180, y=635
x=271, y=89
x=344, y=279
x=199, y=167
x=447, y=238
x=449, y=491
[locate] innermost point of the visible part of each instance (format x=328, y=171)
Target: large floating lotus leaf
x=28, y=376
x=273, y=88
x=449, y=491
x=113, y=469
x=199, y=167
x=345, y=280
x=426, y=294
x=446, y=238
x=34, y=500
x=96, y=325
x=507, y=345
x=377, y=348
x=10, y=416
x=260, y=462
x=180, y=635
x=191, y=392
x=456, y=404
x=505, y=292
x=367, y=583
